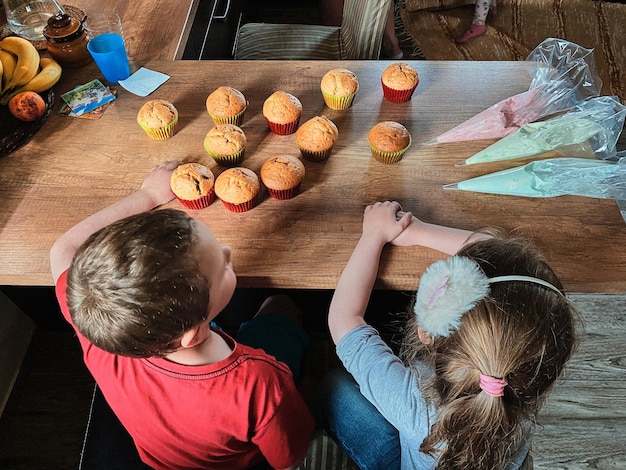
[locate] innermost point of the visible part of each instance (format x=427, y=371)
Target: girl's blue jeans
x=355, y=424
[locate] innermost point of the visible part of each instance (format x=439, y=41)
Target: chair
x=359, y=36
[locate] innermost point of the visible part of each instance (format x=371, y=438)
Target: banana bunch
x=21, y=69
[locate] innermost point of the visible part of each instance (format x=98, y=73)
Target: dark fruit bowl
x=15, y=133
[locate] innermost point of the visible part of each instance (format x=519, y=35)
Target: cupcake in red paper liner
x=282, y=175
x=193, y=185
x=226, y=105
x=389, y=141
x=339, y=88
x=238, y=188
x=158, y=118
x=399, y=81
x=282, y=112
x=316, y=138
x=226, y=143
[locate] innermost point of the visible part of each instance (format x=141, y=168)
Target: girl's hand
x=408, y=236
x=157, y=183
x=380, y=220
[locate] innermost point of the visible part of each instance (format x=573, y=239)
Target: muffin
x=226, y=105
x=226, y=143
x=389, y=141
x=282, y=112
x=339, y=87
x=159, y=118
x=282, y=176
x=238, y=188
x=316, y=138
x=193, y=185
x=399, y=81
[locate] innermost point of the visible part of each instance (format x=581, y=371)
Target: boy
x=140, y=288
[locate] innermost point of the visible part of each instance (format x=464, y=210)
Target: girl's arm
x=349, y=302
x=448, y=240
x=154, y=191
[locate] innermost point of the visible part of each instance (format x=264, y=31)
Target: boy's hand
x=157, y=183
x=380, y=220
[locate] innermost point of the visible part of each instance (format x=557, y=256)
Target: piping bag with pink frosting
x=563, y=75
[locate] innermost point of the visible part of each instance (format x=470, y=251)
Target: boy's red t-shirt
x=228, y=415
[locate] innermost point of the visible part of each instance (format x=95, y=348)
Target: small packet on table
x=87, y=97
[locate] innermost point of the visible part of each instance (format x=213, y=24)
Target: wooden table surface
x=73, y=167
x=153, y=29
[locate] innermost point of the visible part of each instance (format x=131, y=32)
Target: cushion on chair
x=267, y=41
x=416, y=5
x=519, y=26
x=362, y=28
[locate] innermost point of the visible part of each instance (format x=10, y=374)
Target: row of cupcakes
x=196, y=187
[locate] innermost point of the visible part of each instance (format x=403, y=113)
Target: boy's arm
x=154, y=191
x=352, y=294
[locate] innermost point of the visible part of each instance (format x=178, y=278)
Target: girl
x=490, y=333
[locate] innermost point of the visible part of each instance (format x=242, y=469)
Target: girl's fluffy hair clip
x=450, y=288
x=447, y=290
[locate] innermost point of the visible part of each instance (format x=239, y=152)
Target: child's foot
x=391, y=49
x=475, y=30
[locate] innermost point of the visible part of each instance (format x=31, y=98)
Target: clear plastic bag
x=564, y=74
x=554, y=177
x=590, y=129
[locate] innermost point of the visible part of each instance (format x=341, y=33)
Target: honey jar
x=67, y=41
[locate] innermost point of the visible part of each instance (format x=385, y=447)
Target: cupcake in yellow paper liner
x=226, y=143
x=226, y=105
x=389, y=141
x=159, y=119
x=339, y=88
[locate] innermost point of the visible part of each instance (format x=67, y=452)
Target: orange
x=27, y=106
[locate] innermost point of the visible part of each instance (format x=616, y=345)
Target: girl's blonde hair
x=522, y=332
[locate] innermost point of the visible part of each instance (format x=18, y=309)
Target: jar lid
x=62, y=27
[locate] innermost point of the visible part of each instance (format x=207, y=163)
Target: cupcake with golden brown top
x=389, y=141
x=316, y=138
x=193, y=185
x=158, y=118
x=399, y=81
x=339, y=87
x=238, y=188
x=226, y=105
x=282, y=112
x=282, y=175
x=226, y=143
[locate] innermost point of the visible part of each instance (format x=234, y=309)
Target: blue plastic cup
x=106, y=45
x=109, y=54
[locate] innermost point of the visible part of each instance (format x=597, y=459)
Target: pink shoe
x=475, y=30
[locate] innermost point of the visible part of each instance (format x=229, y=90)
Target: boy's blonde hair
x=522, y=332
x=134, y=287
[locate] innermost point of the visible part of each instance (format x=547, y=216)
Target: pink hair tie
x=492, y=385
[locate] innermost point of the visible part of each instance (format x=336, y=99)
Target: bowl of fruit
x=26, y=96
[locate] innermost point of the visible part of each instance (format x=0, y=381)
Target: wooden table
x=153, y=29
x=74, y=167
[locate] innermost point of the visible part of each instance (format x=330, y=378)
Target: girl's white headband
x=450, y=288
